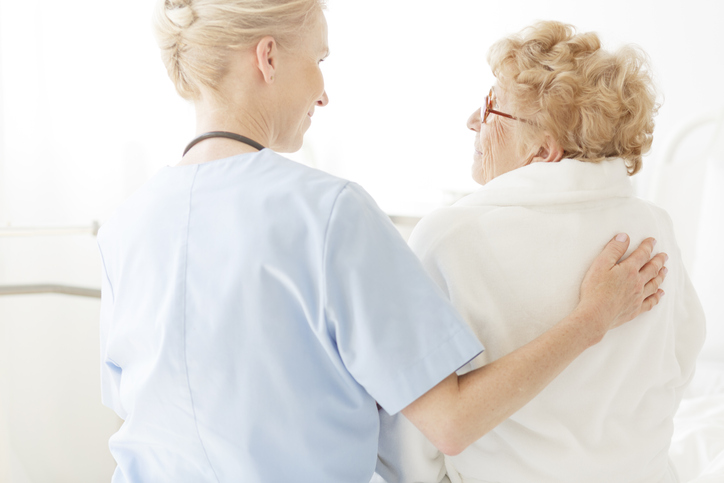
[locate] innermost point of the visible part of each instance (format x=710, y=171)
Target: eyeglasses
x=487, y=109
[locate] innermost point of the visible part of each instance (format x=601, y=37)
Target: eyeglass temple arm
x=502, y=114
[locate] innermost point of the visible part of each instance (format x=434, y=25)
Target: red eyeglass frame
x=488, y=109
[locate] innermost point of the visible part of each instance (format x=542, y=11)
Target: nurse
x=255, y=310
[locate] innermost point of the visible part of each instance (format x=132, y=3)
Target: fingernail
x=622, y=237
x=654, y=241
x=663, y=293
x=666, y=257
x=666, y=270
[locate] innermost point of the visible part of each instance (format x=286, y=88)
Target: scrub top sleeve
x=110, y=371
x=395, y=331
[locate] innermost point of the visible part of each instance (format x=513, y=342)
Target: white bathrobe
x=511, y=257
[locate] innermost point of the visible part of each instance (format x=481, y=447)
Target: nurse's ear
x=267, y=57
x=548, y=151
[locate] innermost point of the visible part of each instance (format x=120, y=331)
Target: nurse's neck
x=238, y=115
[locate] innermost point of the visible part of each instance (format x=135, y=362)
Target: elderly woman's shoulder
x=443, y=227
x=646, y=209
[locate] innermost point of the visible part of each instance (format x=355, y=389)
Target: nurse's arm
x=461, y=409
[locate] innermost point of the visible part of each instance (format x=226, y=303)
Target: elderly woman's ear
x=549, y=151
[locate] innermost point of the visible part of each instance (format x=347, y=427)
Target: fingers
x=651, y=301
x=653, y=285
x=641, y=255
x=615, y=249
x=654, y=266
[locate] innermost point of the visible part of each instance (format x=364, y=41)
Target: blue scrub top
x=253, y=311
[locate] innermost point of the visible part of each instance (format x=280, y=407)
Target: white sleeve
x=690, y=336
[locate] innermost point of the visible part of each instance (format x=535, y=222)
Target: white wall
x=87, y=115
x=56, y=428
x=422, y=66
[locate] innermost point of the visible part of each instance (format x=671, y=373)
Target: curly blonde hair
x=596, y=104
x=195, y=36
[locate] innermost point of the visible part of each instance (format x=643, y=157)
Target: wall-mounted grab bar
x=39, y=289
x=12, y=231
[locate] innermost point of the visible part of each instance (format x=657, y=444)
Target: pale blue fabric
x=253, y=311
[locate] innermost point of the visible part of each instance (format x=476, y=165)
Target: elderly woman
x=559, y=135
x=254, y=310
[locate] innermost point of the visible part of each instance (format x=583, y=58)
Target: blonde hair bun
x=179, y=13
x=195, y=36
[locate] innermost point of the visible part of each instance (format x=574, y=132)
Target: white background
x=87, y=114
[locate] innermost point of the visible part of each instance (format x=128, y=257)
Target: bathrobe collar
x=567, y=181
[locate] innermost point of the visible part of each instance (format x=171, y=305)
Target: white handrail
x=404, y=219
x=49, y=288
x=18, y=231
x=29, y=231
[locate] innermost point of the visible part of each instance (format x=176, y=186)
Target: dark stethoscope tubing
x=223, y=134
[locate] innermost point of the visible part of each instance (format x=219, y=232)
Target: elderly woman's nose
x=324, y=100
x=474, y=121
